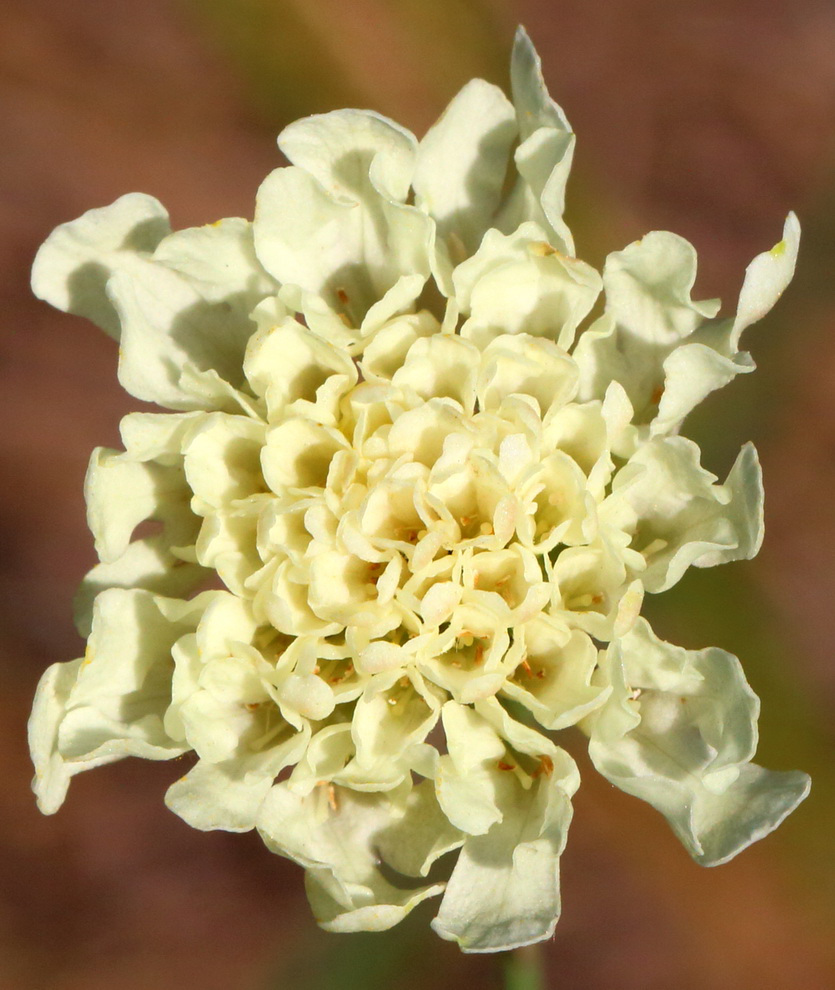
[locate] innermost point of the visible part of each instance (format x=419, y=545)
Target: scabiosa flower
x=426, y=506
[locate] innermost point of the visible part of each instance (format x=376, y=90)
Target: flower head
x=427, y=506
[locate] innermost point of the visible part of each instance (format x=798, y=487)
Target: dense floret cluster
x=426, y=506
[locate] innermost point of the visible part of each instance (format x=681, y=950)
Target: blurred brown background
x=708, y=117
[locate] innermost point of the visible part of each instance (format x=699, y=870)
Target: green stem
x=524, y=968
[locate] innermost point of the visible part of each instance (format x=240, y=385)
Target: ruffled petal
x=680, y=516
x=679, y=732
x=73, y=265
x=543, y=158
x=122, y=492
x=664, y=349
x=335, y=224
x=460, y=170
x=766, y=278
x=333, y=833
x=112, y=703
x=520, y=283
x=229, y=795
x=347, y=151
x=504, y=890
x=185, y=315
x=413, y=843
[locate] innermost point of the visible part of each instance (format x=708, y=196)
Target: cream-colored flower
x=429, y=505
